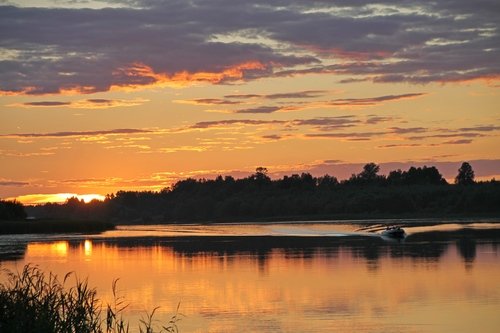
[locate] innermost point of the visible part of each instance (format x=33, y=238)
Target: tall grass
x=31, y=301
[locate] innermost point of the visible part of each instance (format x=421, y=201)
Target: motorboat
x=394, y=232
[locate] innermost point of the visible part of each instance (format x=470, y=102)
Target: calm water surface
x=314, y=277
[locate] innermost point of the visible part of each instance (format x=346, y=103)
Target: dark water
x=312, y=277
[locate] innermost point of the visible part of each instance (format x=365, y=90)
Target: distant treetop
x=465, y=175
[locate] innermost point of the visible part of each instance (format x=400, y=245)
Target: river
x=287, y=277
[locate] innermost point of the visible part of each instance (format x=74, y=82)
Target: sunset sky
x=98, y=96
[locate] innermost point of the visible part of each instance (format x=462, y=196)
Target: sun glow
x=36, y=199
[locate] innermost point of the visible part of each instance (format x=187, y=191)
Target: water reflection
x=54, y=249
x=467, y=249
x=437, y=282
x=369, y=250
x=87, y=246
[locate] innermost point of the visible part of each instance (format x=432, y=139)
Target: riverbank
x=47, y=226
x=55, y=226
x=313, y=217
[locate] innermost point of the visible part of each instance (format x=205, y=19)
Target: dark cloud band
x=77, y=133
x=51, y=50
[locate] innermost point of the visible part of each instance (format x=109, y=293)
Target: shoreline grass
x=32, y=301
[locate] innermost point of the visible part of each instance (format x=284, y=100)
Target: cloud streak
x=288, y=95
x=233, y=122
x=208, y=101
x=93, y=103
x=260, y=109
x=13, y=183
x=45, y=104
x=299, y=106
x=122, y=131
x=352, y=102
x=307, y=128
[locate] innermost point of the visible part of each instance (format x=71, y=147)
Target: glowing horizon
x=36, y=199
x=310, y=87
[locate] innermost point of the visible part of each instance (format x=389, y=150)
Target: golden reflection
x=87, y=248
x=297, y=290
x=57, y=249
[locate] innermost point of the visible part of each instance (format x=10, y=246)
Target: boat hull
x=394, y=233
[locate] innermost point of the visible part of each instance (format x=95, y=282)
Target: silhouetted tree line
x=11, y=210
x=418, y=191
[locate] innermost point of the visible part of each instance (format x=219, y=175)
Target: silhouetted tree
x=370, y=172
x=416, y=176
x=186, y=185
x=424, y=176
x=327, y=182
x=396, y=177
x=308, y=181
x=369, y=175
x=465, y=175
x=291, y=182
x=11, y=210
x=260, y=176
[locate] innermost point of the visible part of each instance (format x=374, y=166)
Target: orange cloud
x=24, y=91
x=488, y=79
x=140, y=75
x=12, y=153
x=100, y=103
x=94, y=103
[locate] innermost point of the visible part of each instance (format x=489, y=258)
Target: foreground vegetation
x=32, y=301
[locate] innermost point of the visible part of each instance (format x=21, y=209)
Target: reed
x=32, y=301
